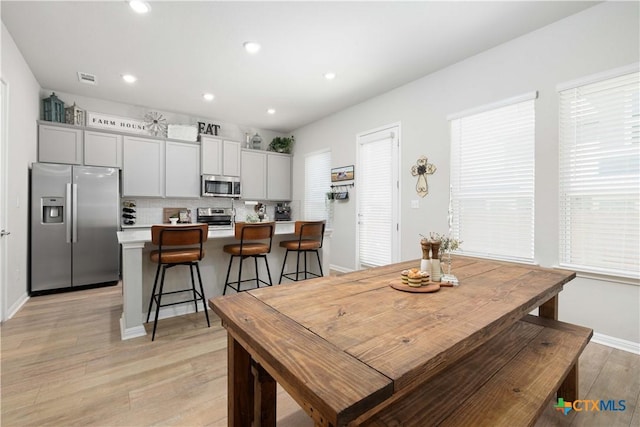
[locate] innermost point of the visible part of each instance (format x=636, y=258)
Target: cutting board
x=168, y=212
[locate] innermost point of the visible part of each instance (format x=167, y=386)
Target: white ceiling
x=180, y=50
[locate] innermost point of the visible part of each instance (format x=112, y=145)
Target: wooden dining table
x=342, y=345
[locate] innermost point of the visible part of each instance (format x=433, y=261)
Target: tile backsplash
x=149, y=210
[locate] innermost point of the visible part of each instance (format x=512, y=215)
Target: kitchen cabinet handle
x=67, y=212
x=75, y=213
x=4, y=233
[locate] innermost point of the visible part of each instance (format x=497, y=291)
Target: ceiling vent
x=87, y=78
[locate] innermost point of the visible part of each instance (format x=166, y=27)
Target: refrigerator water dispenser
x=52, y=210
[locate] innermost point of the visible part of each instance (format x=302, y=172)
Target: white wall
x=603, y=37
x=23, y=112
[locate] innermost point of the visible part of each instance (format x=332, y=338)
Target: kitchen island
x=138, y=271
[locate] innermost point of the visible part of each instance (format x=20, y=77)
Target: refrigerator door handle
x=75, y=213
x=67, y=213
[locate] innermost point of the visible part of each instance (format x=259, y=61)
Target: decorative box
x=74, y=115
x=183, y=132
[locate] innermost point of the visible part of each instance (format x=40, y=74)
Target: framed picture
x=344, y=173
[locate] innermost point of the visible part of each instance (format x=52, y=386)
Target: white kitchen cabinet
x=253, y=176
x=220, y=157
x=102, y=149
x=143, y=167
x=278, y=176
x=182, y=171
x=265, y=175
x=59, y=144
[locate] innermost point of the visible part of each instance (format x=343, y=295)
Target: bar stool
x=182, y=235
x=248, y=234
x=310, y=237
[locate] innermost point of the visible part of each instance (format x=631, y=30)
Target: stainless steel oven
x=221, y=186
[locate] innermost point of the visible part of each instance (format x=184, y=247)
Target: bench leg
x=569, y=388
x=265, y=398
x=239, y=385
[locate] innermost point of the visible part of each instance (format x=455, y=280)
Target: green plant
x=282, y=144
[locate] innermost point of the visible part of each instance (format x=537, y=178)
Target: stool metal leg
x=284, y=263
x=226, y=281
x=255, y=262
x=305, y=265
x=297, y=263
x=155, y=283
x=268, y=272
x=319, y=263
x=204, y=303
x=193, y=288
x=155, y=322
x=239, y=274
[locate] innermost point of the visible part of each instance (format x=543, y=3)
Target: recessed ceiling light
x=208, y=96
x=129, y=78
x=330, y=75
x=139, y=6
x=251, y=47
x=271, y=111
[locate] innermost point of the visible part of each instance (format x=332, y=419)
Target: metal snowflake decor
x=421, y=169
x=156, y=124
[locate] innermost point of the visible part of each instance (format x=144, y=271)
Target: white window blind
x=317, y=181
x=375, y=196
x=492, y=181
x=600, y=176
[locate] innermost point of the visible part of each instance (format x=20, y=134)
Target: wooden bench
x=506, y=382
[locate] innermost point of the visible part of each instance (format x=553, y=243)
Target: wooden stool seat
x=310, y=237
x=252, y=244
x=182, y=235
x=300, y=245
x=176, y=256
x=248, y=249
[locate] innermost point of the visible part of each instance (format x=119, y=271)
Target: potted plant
x=281, y=144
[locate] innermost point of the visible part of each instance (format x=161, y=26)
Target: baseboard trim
x=128, y=333
x=619, y=343
x=17, y=306
x=340, y=269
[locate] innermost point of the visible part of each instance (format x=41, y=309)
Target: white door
x=4, y=103
x=377, y=184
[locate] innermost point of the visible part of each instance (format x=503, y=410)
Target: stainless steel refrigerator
x=74, y=220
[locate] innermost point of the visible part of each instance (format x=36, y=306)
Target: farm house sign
x=122, y=124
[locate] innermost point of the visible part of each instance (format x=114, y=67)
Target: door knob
x=4, y=233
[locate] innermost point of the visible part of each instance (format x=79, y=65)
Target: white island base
x=138, y=272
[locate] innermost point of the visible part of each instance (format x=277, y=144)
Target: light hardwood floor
x=63, y=364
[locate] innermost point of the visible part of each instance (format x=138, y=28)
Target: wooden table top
x=344, y=344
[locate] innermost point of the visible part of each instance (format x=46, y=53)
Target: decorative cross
x=421, y=169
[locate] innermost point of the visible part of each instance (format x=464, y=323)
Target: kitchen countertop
x=142, y=233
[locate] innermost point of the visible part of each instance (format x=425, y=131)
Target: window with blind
x=600, y=174
x=492, y=179
x=317, y=181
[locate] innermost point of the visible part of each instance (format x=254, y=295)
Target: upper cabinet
x=220, y=157
x=182, y=172
x=266, y=175
x=254, y=175
x=59, y=144
x=143, y=167
x=102, y=149
x=278, y=176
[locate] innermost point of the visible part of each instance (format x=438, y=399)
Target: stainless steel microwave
x=221, y=186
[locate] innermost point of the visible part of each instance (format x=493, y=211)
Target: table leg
x=240, y=396
x=549, y=309
x=265, y=398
